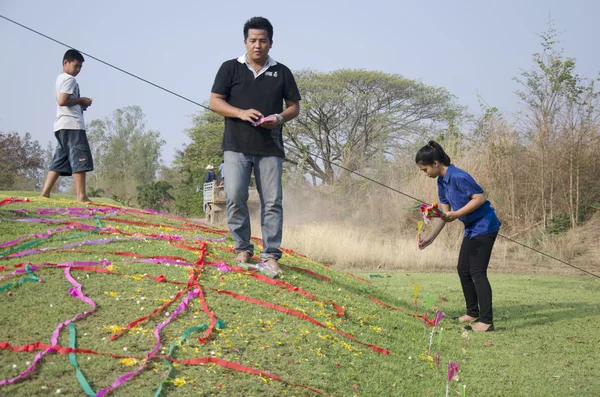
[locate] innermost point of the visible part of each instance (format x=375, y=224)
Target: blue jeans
x=268, y=171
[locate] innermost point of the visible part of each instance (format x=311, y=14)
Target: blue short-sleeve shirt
x=456, y=189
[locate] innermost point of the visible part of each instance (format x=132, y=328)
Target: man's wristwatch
x=279, y=118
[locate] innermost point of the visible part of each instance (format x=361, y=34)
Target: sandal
x=489, y=329
x=475, y=319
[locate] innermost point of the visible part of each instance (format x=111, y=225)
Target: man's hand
x=271, y=124
x=250, y=115
x=448, y=216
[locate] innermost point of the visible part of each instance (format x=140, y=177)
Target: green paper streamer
x=37, y=241
x=219, y=325
x=98, y=223
x=463, y=392
x=439, y=343
x=21, y=247
x=77, y=235
x=429, y=301
x=30, y=277
x=72, y=358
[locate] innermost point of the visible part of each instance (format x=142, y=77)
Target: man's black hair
x=258, y=23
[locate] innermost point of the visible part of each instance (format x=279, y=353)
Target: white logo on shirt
x=272, y=74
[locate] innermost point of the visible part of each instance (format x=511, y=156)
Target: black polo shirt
x=265, y=93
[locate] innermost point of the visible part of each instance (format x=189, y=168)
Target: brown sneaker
x=272, y=263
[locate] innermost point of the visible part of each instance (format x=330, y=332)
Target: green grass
x=546, y=342
x=54, y=197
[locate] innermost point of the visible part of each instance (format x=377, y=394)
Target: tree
x=22, y=164
x=95, y=192
x=154, y=195
x=350, y=115
x=499, y=151
x=206, y=135
x=579, y=127
x=190, y=163
x=559, y=117
x=125, y=153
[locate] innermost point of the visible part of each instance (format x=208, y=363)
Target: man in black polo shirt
x=250, y=92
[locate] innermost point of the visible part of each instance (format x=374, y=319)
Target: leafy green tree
x=348, y=116
x=22, y=163
x=95, y=192
x=190, y=163
x=125, y=153
x=154, y=195
x=206, y=135
x=560, y=119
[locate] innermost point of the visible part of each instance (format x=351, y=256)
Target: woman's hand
x=426, y=241
x=449, y=216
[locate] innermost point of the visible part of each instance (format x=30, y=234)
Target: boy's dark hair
x=430, y=153
x=258, y=23
x=73, y=55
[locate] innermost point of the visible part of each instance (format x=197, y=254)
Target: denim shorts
x=72, y=154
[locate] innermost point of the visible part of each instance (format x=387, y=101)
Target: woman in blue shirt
x=462, y=198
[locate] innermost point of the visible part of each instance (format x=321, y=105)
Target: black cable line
x=548, y=255
x=362, y=176
x=421, y=201
x=106, y=63
x=302, y=150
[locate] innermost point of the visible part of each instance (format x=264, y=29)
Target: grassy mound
x=162, y=309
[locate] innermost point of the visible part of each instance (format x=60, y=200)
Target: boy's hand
x=85, y=102
x=425, y=242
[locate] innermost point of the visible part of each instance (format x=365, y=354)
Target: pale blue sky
x=468, y=47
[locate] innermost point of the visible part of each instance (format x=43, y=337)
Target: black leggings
x=472, y=267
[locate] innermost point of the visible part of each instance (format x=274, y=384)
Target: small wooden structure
x=215, y=202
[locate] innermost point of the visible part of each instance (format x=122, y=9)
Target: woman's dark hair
x=73, y=55
x=430, y=153
x=259, y=23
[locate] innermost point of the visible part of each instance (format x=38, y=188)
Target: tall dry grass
x=356, y=224
x=350, y=247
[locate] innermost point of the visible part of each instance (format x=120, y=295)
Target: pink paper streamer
x=153, y=260
x=19, y=271
x=93, y=242
x=72, y=245
x=78, y=294
x=438, y=317
x=55, y=220
x=25, y=253
x=41, y=235
x=103, y=262
x=159, y=327
x=223, y=267
x=214, y=240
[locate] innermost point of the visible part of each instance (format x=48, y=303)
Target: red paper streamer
x=299, y=315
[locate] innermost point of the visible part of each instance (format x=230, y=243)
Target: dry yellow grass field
x=352, y=247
